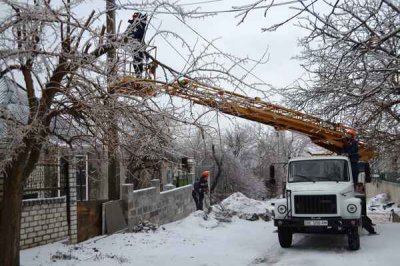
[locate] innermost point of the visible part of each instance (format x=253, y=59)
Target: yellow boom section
x=323, y=133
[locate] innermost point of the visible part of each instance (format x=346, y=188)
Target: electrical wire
x=241, y=9
x=246, y=8
x=216, y=48
x=202, y=2
x=173, y=47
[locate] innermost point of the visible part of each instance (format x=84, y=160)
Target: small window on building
x=81, y=177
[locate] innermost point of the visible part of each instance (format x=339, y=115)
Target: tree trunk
x=113, y=176
x=11, y=204
x=219, y=169
x=10, y=218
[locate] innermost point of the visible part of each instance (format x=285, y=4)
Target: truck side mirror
x=272, y=171
x=363, y=167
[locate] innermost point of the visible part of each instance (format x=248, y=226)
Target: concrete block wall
x=43, y=221
x=160, y=208
x=383, y=186
x=73, y=209
x=176, y=204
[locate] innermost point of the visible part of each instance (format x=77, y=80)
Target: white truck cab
x=320, y=198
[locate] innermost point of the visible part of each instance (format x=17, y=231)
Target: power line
x=197, y=3
x=246, y=8
x=241, y=9
x=216, y=48
x=173, y=47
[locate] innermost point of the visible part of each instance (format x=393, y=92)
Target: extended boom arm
x=323, y=133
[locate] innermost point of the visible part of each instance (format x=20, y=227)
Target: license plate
x=315, y=222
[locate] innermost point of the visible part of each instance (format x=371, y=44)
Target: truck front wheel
x=285, y=236
x=353, y=239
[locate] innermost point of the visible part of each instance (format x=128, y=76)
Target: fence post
x=69, y=170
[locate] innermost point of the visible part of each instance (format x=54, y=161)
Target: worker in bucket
x=136, y=32
x=200, y=187
x=350, y=148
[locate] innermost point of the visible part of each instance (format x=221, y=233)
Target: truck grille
x=315, y=204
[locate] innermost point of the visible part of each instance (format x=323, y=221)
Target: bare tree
x=238, y=140
x=352, y=54
x=241, y=156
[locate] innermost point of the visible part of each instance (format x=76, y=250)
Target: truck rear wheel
x=353, y=238
x=285, y=236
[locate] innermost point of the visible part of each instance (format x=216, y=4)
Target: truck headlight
x=282, y=209
x=351, y=208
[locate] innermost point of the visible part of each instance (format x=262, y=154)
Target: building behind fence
x=49, y=211
x=386, y=183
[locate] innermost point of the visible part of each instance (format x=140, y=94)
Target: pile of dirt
x=144, y=226
x=62, y=256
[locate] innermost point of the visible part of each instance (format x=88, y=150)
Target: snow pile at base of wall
x=235, y=207
x=379, y=199
x=382, y=203
x=379, y=208
x=239, y=203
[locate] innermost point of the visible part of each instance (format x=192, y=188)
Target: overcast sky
x=243, y=40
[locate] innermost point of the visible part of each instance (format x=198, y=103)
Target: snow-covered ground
x=240, y=203
x=208, y=242
x=379, y=208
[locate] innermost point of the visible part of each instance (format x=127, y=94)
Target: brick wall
x=73, y=235
x=43, y=221
x=149, y=204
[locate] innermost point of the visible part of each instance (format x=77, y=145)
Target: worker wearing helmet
x=350, y=148
x=200, y=187
x=137, y=26
x=136, y=31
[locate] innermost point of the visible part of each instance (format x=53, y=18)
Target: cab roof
x=317, y=157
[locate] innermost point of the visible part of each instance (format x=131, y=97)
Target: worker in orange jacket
x=200, y=187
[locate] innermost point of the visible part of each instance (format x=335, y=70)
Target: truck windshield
x=318, y=170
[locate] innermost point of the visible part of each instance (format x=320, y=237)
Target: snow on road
x=329, y=250
x=199, y=242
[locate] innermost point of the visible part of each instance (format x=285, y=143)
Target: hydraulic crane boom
x=323, y=133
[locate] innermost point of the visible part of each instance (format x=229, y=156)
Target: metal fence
x=388, y=176
x=48, y=180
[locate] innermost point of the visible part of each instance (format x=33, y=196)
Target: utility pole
x=112, y=141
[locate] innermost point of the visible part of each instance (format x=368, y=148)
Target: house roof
x=13, y=103
x=11, y=93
